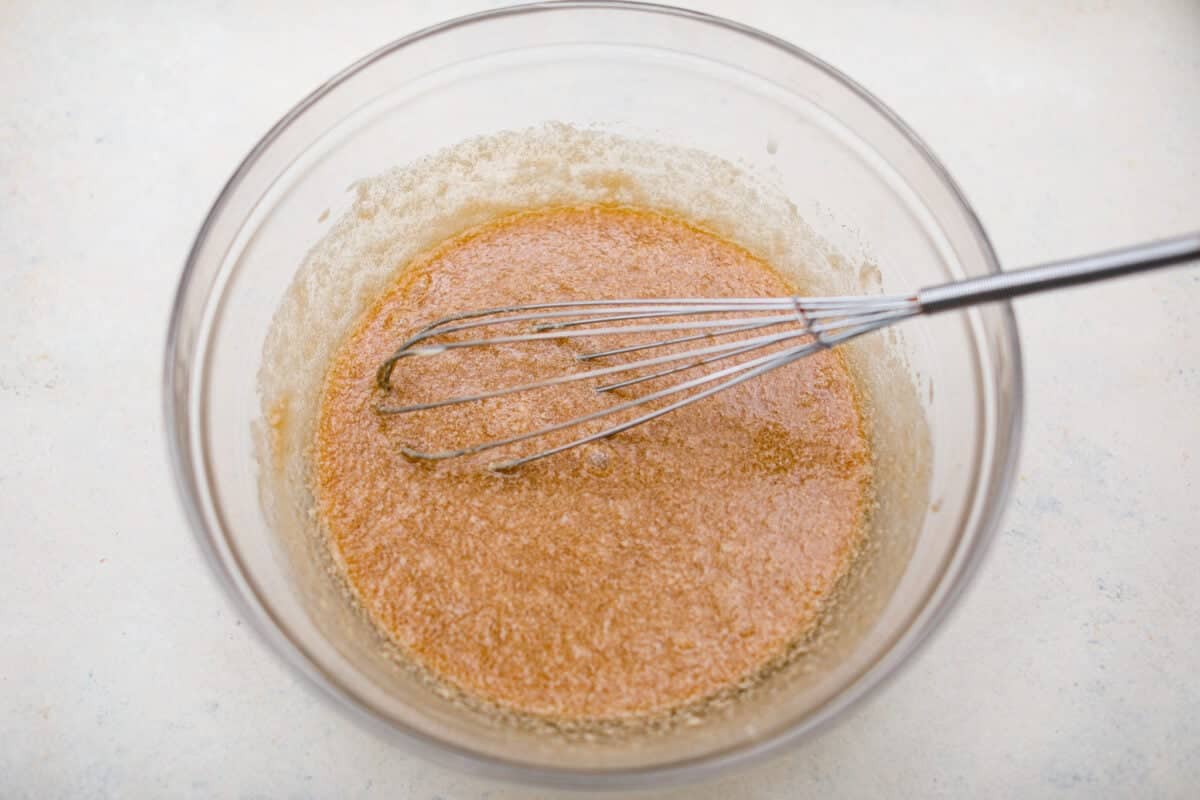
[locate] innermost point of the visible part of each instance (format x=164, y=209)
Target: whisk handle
x=1058, y=274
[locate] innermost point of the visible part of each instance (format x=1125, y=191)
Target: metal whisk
x=794, y=327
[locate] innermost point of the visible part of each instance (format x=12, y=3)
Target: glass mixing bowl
x=855, y=173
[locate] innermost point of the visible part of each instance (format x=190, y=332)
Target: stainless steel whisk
x=809, y=324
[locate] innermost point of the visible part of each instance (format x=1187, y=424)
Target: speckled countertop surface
x=1069, y=670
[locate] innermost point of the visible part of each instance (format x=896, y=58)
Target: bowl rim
x=956, y=577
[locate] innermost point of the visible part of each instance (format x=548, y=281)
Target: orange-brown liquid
x=630, y=576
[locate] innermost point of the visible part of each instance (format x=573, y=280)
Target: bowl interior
x=879, y=215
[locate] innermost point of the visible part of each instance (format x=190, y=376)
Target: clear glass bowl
x=855, y=173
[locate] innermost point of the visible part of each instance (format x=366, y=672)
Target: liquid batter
x=628, y=577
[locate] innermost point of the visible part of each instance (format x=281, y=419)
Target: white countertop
x=1072, y=667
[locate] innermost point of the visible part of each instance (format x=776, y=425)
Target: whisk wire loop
x=807, y=326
